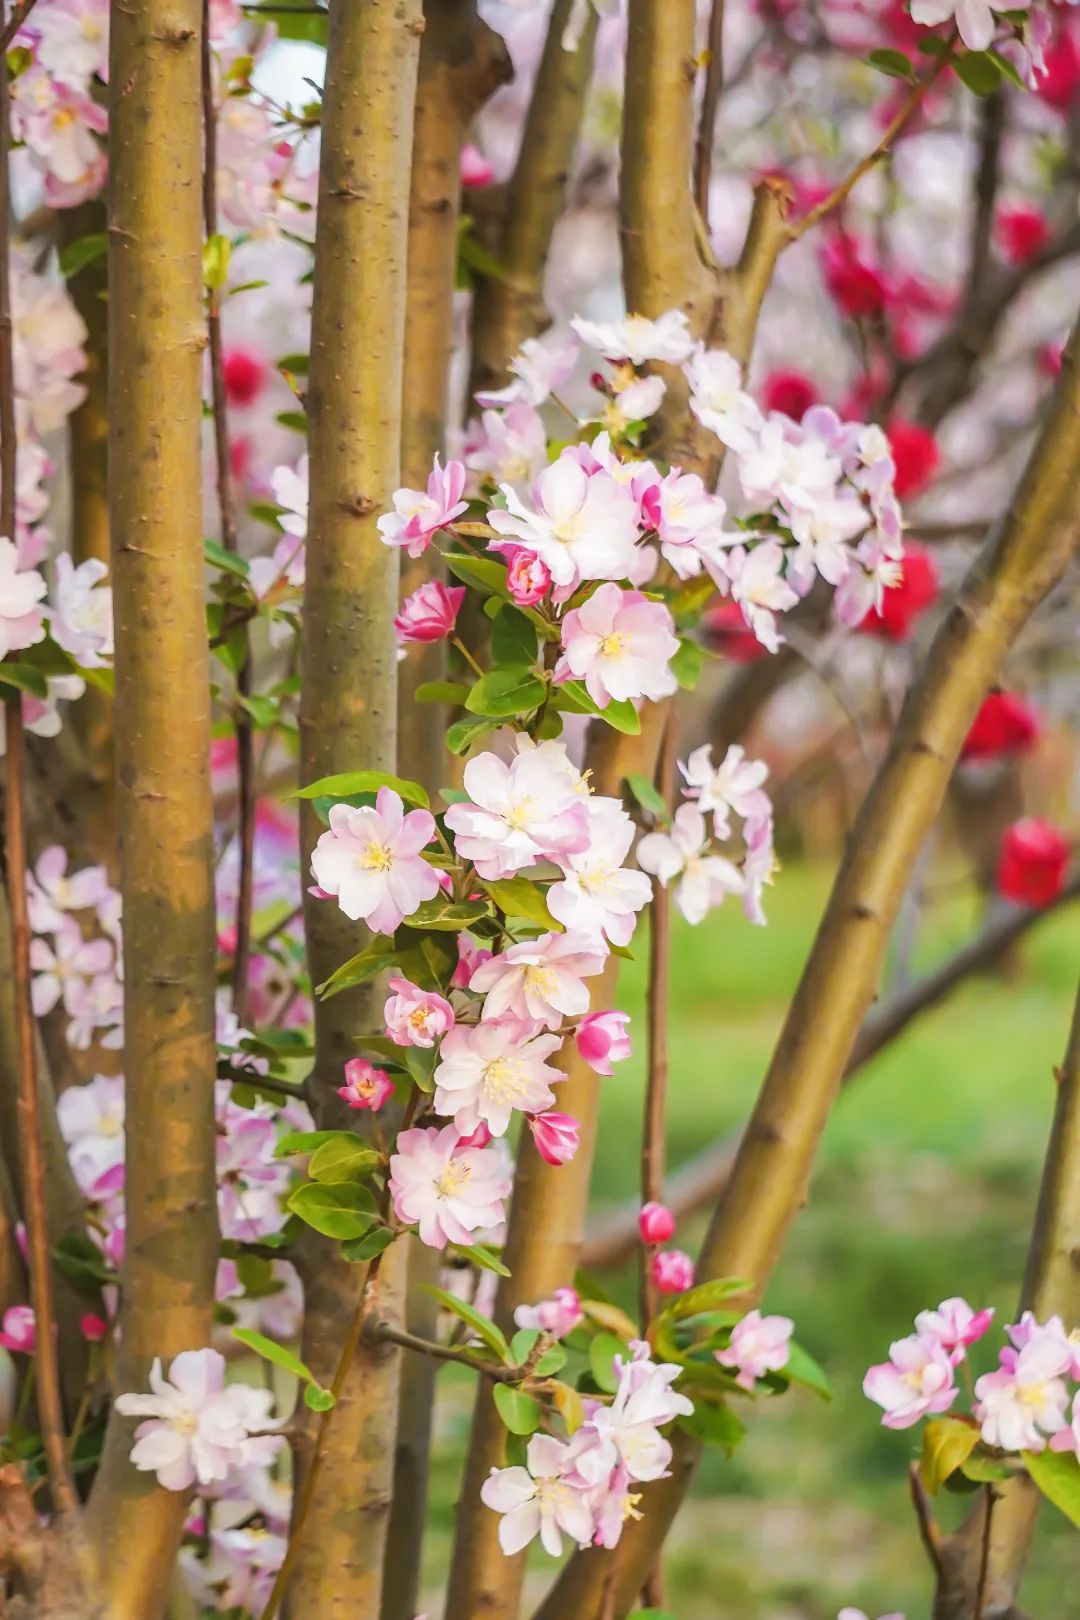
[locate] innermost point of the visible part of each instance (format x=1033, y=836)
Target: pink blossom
x=1025, y=1398
x=238, y=1576
x=475, y=168
x=541, y=365
x=718, y=400
x=93, y=1328
x=449, y=1190
x=430, y=613
x=597, y=895
x=734, y=787
x=509, y=446
x=974, y=18
x=1030, y=1331
x=1068, y=1438
x=52, y=891
x=628, y=1429
x=683, y=853
x=759, y=1345
x=19, y=1331
x=517, y=814
x=60, y=968
x=539, y=979
x=558, y=1315
x=197, y=1429
x=292, y=492
x=656, y=1223
x=366, y=1086
x=81, y=620
x=418, y=515
x=73, y=39
x=91, y=1120
x=955, y=1324
x=688, y=519
x=528, y=578
x=370, y=860
x=759, y=867
x=759, y=587
x=470, y=957
x=542, y=1499
x=416, y=1017
x=556, y=1136
x=637, y=339
x=620, y=644
x=580, y=526
x=485, y=1071
x=602, y=1040
x=672, y=1271
x=915, y=1382
x=21, y=591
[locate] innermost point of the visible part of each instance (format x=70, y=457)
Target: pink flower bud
x=430, y=613
x=367, y=1086
x=19, y=1330
x=475, y=168
x=470, y=957
x=93, y=1328
x=602, y=1040
x=556, y=1136
x=559, y=1315
x=672, y=1271
x=527, y=577
x=656, y=1223
x=478, y=1138
x=23, y=1241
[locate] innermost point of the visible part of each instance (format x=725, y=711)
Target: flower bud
x=656, y=1223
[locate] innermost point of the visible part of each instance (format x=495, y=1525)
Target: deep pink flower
x=244, y=375
x=602, y=1039
x=416, y=1017
x=1006, y=724
x=759, y=1345
x=673, y=1271
x=555, y=1135
x=366, y=1086
x=955, y=1325
x=418, y=515
x=430, y=613
x=656, y=1223
x=20, y=1329
x=93, y=1328
x=1034, y=861
x=528, y=578
x=475, y=168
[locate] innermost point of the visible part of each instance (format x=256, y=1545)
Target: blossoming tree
x=319, y=864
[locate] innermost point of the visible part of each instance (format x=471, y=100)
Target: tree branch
x=710, y=106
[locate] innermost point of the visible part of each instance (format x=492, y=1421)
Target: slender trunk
x=1017, y=567
x=164, y=812
x=348, y=710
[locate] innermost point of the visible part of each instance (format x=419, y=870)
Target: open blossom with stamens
x=718, y=400
x=197, y=1428
x=540, y=1499
x=365, y=1085
x=731, y=788
x=637, y=339
x=1025, y=1398
x=486, y=1071
x=620, y=644
x=558, y=1315
x=759, y=587
x=759, y=1345
x=682, y=853
x=517, y=814
x=689, y=520
x=81, y=620
x=955, y=1324
x=1029, y=1330
x=21, y=591
x=602, y=1040
x=53, y=891
x=556, y=1136
x=91, y=1120
x=597, y=895
x=580, y=525
x=416, y=1017
x=510, y=445
x=370, y=860
x=420, y=514
x=644, y=1402
x=915, y=1382
x=539, y=979
x=61, y=968
x=540, y=366
x=448, y=1189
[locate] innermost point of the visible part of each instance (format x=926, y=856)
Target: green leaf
x=441, y=692
x=620, y=716
x=270, y=1350
x=346, y=783
x=23, y=678
x=479, y=1255
x=979, y=72
x=705, y=1297
x=524, y=1340
x=1057, y=1474
x=983, y=1470
x=337, y=1209
x=801, y=1368
x=1006, y=69
x=306, y=24
x=74, y=256
x=947, y=1444
x=82, y=1263
x=517, y=897
x=265, y=711
x=375, y=956
x=687, y=664
x=715, y=1424
x=366, y=1248
x=217, y=556
x=306, y=1141
x=463, y=733
x=520, y=1412
x=448, y=916
x=602, y=1352
x=482, y=1327
x=344, y=1158
x=481, y=572
x=513, y=638
x=647, y=796
x=894, y=63
x=511, y=690
x=297, y=364
x=318, y=1399
x=217, y=250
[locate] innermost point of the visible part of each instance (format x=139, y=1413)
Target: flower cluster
x=55, y=113
x=196, y=1429
x=75, y=951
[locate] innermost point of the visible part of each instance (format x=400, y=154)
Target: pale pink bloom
x=420, y=514
x=734, y=787
x=239, y=1573
x=556, y=1136
x=91, y=1120
x=542, y=365
x=60, y=968
x=759, y=587
x=475, y=168
x=197, y=1429
x=430, y=613
x=859, y=1614
x=619, y=643
x=485, y=1071
x=688, y=519
x=291, y=491
x=528, y=579
x=955, y=1324
x=81, y=618
x=510, y=445
x=597, y=895
x=672, y=1271
x=73, y=40
x=1029, y=1331
x=558, y=1315
x=915, y=1382
x=540, y=1500
x=416, y=1017
x=790, y=466
x=759, y=1345
x=52, y=891
x=975, y=19
x=41, y=717
x=251, y=1181
x=97, y=1010
x=718, y=400
x=613, y=1503
x=602, y=1040
x=58, y=122
x=1025, y=1398
x=682, y=853
x=539, y=979
x=470, y=956
x=21, y=591
x=370, y=860
x=1068, y=1438
x=656, y=1223
x=580, y=526
x=758, y=868
x=628, y=1429
x=365, y=1085
x=635, y=401
x=19, y=1331
x=286, y=564
x=637, y=339
x=450, y=1191
x=517, y=814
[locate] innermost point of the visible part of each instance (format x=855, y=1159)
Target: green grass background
x=925, y=1187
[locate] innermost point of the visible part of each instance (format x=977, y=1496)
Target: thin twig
x=245, y=736
x=654, y=1125
x=377, y=1331
x=984, y=1555
x=928, y=1526
x=50, y=1401
x=710, y=106
x=829, y=204
x=22, y=10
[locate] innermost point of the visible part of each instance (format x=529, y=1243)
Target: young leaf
x=441, y=692
x=346, y=783
x=448, y=916
x=375, y=956
x=463, y=733
x=510, y=690
x=524, y=1340
x=513, y=638
x=227, y=561
x=705, y=1297
x=611, y=1317
x=714, y=1423
x=569, y=1405
x=647, y=796
x=481, y=572
x=317, y=1399
x=602, y=1352
x=483, y=1257
x=84, y=250
x=979, y=71
x=337, y=1209
x=366, y=1248
x=482, y=1327
x=307, y=1141
x=344, y=1158
x=517, y=897
x=24, y=678
x=1057, y=1474
x=277, y=1353
x=687, y=664
x=947, y=1444
x=894, y=63
x=801, y=1368
x=520, y=1412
